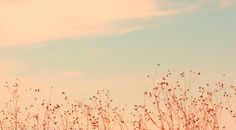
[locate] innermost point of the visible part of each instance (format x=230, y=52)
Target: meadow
x=172, y=104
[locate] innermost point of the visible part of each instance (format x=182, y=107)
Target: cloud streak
x=227, y=3
x=33, y=21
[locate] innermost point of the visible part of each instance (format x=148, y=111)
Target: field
x=169, y=105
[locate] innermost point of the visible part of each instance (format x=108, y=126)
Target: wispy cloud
x=70, y=74
x=34, y=21
x=227, y=3
x=10, y=69
x=56, y=78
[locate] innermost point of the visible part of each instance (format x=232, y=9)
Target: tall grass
x=170, y=105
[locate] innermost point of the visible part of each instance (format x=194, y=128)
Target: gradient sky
x=80, y=47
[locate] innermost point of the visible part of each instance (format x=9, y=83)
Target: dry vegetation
x=169, y=105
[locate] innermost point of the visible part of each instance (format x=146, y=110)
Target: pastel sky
x=81, y=46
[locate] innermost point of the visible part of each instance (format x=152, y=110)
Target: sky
x=82, y=46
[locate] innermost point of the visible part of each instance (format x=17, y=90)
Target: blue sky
x=202, y=39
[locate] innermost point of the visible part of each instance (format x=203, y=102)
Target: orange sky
x=82, y=46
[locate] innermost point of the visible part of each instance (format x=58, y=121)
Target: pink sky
x=42, y=43
x=42, y=20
